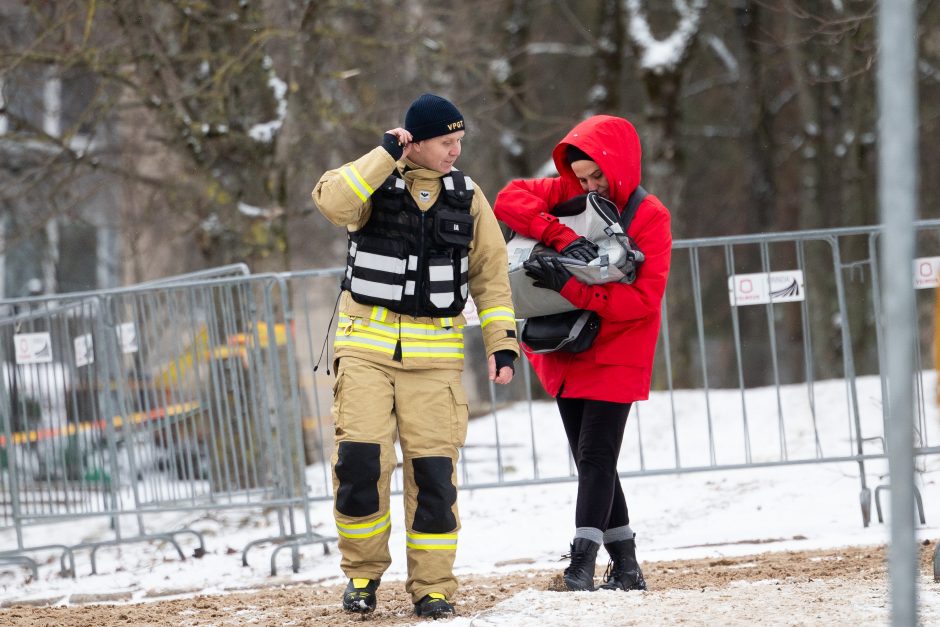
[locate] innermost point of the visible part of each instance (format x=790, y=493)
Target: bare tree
x=660, y=64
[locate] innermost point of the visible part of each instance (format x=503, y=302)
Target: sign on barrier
x=33, y=348
x=761, y=288
x=84, y=350
x=127, y=337
x=926, y=272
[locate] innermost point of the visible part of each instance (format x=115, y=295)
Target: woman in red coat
x=595, y=389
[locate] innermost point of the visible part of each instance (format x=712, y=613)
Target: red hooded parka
x=619, y=365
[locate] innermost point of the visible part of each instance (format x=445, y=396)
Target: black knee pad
x=436, y=495
x=358, y=469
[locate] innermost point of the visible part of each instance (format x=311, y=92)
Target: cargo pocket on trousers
x=461, y=413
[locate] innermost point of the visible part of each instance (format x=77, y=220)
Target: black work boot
x=359, y=595
x=580, y=572
x=623, y=571
x=434, y=605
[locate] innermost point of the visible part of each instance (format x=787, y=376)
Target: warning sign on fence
x=127, y=337
x=761, y=288
x=926, y=272
x=33, y=348
x=84, y=350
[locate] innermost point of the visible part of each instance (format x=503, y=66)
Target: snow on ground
x=676, y=516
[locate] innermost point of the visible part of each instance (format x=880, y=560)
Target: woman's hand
x=547, y=272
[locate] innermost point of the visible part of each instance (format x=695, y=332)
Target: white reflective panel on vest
x=442, y=299
x=380, y=262
x=441, y=273
x=376, y=290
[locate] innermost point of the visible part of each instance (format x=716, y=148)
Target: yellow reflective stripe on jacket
x=432, y=333
x=364, y=530
x=350, y=335
x=432, y=541
x=504, y=314
x=356, y=182
x=404, y=330
x=379, y=313
x=440, y=350
x=373, y=326
x=417, y=340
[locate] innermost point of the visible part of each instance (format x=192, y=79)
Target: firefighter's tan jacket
x=343, y=196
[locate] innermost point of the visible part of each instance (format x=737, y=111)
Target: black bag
x=570, y=332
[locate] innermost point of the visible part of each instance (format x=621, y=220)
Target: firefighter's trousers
x=428, y=410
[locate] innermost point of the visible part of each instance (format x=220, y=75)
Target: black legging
x=595, y=432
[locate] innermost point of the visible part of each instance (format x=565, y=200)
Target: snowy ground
x=710, y=514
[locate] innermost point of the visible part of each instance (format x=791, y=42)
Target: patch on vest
x=424, y=196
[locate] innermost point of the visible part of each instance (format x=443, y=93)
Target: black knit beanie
x=431, y=116
x=573, y=153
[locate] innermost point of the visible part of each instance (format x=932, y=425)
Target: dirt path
x=845, y=586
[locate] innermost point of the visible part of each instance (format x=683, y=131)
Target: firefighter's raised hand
x=397, y=142
x=501, y=368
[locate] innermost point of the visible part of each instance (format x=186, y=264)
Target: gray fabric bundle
x=617, y=259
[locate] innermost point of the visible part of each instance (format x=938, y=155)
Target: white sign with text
x=33, y=348
x=926, y=272
x=127, y=336
x=84, y=350
x=761, y=288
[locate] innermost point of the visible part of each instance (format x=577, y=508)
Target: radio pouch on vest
x=595, y=218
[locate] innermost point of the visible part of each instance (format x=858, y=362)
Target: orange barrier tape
x=23, y=437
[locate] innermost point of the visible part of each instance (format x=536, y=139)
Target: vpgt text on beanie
x=431, y=116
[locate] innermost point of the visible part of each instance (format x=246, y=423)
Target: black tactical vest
x=411, y=261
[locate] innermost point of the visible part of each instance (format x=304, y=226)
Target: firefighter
x=421, y=238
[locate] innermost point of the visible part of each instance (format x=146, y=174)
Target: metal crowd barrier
x=203, y=392
x=170, y=396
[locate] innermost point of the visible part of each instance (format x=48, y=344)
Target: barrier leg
x=65, y=569
x=878, y=502
x=200, y=550
x=920, y=505
x=22, y=560
x=936, y=562
x=919, y=501
x=97, y=545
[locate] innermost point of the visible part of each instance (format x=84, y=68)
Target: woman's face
x=437, y=153
x=591, y=178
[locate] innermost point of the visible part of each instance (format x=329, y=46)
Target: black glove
x=548, y=272
x=504, y=358
x=634, y=258
x=392, y=147
x=581, y=249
